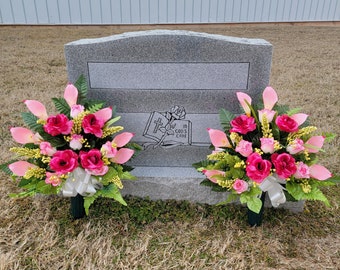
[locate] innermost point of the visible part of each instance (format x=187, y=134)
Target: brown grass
x=37, y=233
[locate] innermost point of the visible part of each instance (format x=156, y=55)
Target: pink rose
x=76, y=109
x=76, y=142
x=267, y=145
x=92, y=124
x=240, y=186
x=284, y=165
x=295, y=147
x=58, y=124
x=244, y=148
x=257, y=168
x=64, y=161
x=286, y=123
x=92, y=161
x=47, y=149
x=100, y=171
x=53, y=179
x=243, y=124
x=302, y=170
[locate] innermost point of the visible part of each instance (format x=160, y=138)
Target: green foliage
x=232, y=197
x=315, y=194
x=110, y=191
x=251, y=199
x=62, y=106
x=293, y=111
x=88, y=201
x=214, y=187
x=26, y=193
x=81, y=85
x=275, y=131
x=54, y=141
x=36, y=184
x=112, y=121
x=329, y=136
x=24, y=182
x=4, y=167
x=94, y=106
x=254, y=204
x=225, y=118
x=202, y=164
x=31, y=121
x=254, y=114
x=111, y=173
x=33, y=186
x=281, y=109
x=42, y=188
x=334, y=179
x=134, y=146
x=127, y=176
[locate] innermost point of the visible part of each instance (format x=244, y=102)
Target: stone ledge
x=185, y=189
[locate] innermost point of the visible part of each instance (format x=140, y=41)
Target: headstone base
x=162, y=183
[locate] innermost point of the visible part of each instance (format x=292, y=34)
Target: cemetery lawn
x=38, y=233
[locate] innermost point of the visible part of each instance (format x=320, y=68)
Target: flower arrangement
x=72, y=152
x=269, y=149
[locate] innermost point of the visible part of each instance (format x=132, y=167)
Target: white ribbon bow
x=79, y=181
x=275, y=191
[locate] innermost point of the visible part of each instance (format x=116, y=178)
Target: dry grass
x=37, y=233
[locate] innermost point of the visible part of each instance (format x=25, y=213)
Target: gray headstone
x=168, y=87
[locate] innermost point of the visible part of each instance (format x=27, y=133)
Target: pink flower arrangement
x=265, y=149
x=74, y=151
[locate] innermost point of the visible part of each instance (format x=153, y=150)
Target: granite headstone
x=168, y=87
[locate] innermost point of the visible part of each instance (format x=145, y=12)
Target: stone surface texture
x=168, y=87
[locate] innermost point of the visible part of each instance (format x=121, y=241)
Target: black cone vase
x=77, y=207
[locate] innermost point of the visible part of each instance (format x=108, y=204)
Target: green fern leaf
x=293, y=111
x=111, y=191
x=4, y=167
x=54, y=141
x=62, y=106
x=281, y=109
x=94, y=106
x=298, y=194
x=31, y=121
x=225, y=118
x=81, y=85
x=90, y=200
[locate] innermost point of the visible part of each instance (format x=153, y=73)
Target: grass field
x=38, y=233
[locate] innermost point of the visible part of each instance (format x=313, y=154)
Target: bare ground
x=37, y=233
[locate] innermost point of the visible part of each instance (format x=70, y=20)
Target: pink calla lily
x=300, y=118
x=319, y=172
x=104, y=114
x=211, y=173
x=243, y=98
x=314, y=144
x=108, y=150
x=37, y=108
x=122, y=139
x=218, y=138
x=123, y=155
x=20, y=168
x=71, y=94
x=269, y=98
x=268, y=113
x=24, y=135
